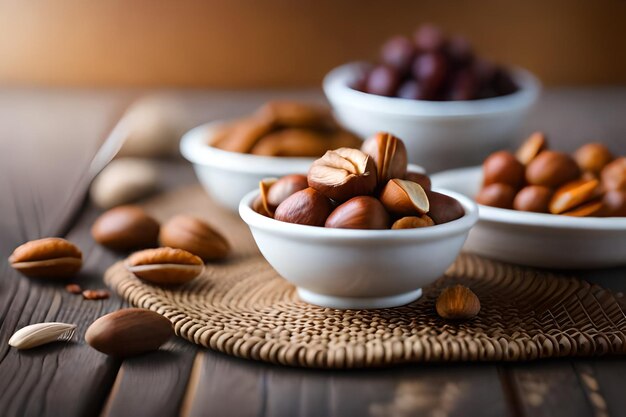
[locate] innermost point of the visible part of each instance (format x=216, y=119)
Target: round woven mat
x=243, y=308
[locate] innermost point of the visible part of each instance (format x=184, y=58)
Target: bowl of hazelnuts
x=361, y=229
x=544, y=208
x=450, y=106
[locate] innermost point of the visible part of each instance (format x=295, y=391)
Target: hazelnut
x=552, y=169
x=362, y=212
x=458, y=303
x=573, y=194
x=421, y=179
x=308, y=207
x=535, y=198
x=502, y=167
x=497, y=195
x=50, y=257
x=593, y=208
x=195, y=236
x=125, y=228
x=443, y=208
x=404, y=198
x=413, y=222
x=389, y=155
x=531, y=148
x=165, y=266
x=614, y=175
x=128, y=332
x=283, y=188
x=614, y=203
x=592, y=157
x=342, y=174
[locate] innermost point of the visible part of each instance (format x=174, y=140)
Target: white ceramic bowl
x=358, y=269
x=535, y=239
x=228, y=176
x=437, y=134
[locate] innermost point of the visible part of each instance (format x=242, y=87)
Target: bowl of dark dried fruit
x=366, y=231
x=450, y=106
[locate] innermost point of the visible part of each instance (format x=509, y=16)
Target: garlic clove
x=41, y=333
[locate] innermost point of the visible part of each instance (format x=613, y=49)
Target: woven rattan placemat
x=243, y=308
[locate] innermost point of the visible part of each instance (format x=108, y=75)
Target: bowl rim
x=338, y=92
x=194, y=148
x=455, y=227
x=521, y=218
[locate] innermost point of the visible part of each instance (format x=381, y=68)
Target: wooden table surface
x=48, y=139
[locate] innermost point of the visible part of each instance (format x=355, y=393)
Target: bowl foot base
x=358, y=303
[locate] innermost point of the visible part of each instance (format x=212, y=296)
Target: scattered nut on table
x=50, y=257
x=195, y=236
x=165, y=266
x=123, y=181
x=129, y=332
x=458, y=303
x=41, y=333
x=126, y=227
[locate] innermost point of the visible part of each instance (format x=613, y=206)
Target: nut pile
x=285, y=128
x=591, y=183
x=367, y=188
x=432, y=66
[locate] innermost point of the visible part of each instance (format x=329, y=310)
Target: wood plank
x=52, y=138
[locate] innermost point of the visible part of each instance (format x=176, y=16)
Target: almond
x=166, y=266
x=129, y=332
x=51, y=257
x=196, y=236
x=573, y=194
x=126, y=228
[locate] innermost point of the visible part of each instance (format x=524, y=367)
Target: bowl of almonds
x=362, y=229
x=544, y=208
x=281, y=137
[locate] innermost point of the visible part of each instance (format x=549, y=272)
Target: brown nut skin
x=614, y=204
x=404, y=198
x=533, y=198
x=614, y=175
x=496, y=195
x=413, y=222
x=283, y=188
x=50, y=257
x=457, y=303
x=292, y=142
x=421, y=179
x=261, y=208
x=195, y=236
x=443, y=208
x=552, y=169
x=592, y=157
x=533, y=146
x=284, y=113
x=129, y=332
x=342, y=174
x=165, y=266
x=362, y=212
x=389, y=155
x=502, y=167
x=307, y=207
x=573, y=194
x=126, y=228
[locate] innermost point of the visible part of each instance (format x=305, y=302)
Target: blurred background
x=285, y=43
